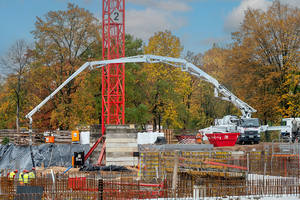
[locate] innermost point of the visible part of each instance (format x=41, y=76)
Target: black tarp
x=88, y=167
x=49, y=154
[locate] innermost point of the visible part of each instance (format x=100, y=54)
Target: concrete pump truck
x=247, y=127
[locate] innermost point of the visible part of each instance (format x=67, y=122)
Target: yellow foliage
x=165, y=85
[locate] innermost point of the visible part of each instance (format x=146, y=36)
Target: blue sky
x=198, y=23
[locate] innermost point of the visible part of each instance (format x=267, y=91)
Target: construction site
x=114, y=160
x=168, y=170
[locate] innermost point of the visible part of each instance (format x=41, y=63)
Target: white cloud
x=291, y=2
x=236, y=16
x=144, y=23
x=211, y=40
x=168, y=5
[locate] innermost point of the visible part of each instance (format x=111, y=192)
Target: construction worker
x=199, y=137
x=32, y=176
x=26, y=177
x=11, y=177
x=21, y=177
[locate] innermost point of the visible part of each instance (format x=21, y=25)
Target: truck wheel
x=286, y=138
x=297, y=137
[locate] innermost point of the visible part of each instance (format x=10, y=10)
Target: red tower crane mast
x=113, y=75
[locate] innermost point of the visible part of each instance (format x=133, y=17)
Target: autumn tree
x=206, y=107
x=265, y=57
x=165, y=85
x=2, y=112
x=190, y=117
x=14, y=66
x=65, y=41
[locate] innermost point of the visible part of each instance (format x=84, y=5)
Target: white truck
x=292, y=130
x=245, y=125
x=249, y=128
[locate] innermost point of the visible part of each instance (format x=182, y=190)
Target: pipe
x=30, y=141
x=30, y=131
x=67, y=170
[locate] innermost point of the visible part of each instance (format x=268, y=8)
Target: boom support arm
x=176, y=62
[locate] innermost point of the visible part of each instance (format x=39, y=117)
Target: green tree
x=135, y=95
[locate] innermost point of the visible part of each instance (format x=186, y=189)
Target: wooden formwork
x=155, y=164
x=169, y=136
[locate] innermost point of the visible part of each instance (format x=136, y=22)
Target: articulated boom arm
x=177, y=62
x=218, y=88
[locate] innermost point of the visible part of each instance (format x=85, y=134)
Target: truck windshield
x=283, y=123
x=249, y=122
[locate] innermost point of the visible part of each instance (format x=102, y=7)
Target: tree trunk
x=159, y=123
x=154, y=124
x=18, y=123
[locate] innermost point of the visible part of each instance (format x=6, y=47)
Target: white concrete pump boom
x=177, y=62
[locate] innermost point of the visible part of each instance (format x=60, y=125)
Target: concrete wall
x=95, y=134
x=121, y=141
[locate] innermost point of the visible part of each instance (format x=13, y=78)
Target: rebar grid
x=115, y=188
x=259, y=173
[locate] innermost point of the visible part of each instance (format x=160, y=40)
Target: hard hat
x=16, y=171
x=27, y=171
x=24, y=170
x=33, y=168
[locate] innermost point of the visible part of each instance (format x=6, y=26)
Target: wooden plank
x=175, y=170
